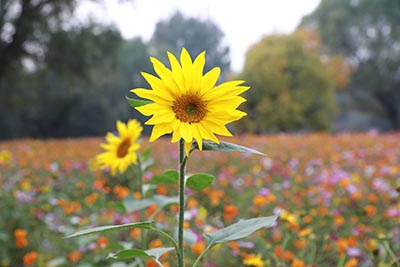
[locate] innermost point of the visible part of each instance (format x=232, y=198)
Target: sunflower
x=121, y=150
x=187, y=103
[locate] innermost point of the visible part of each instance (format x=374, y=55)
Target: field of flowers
x=337, y=196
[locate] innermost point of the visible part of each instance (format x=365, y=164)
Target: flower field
x=338, y=197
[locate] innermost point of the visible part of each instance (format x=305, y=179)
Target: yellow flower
x=5, y=157
x=253, y=260
x=121, y=150
x=186, y=102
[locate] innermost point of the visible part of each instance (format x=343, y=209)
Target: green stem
x=161, y=232
x=200, y=256
x=143, y=237
x=391, y=253
x=182, y=168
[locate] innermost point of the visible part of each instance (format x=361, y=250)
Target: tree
x=292, y=84
x=25, y=25
x=367, y=32
x=196, y=36
x=59, y=77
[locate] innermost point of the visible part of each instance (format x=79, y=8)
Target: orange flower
x=156, y=243
x=305, y=232
x=230, y=211
x=30, y=258
x=20, y=238
x=298, y=263
x=283, y=254
x=121, y=191
x=162, y=190
x=136, y=233
x=198, y=248
x=308, y=219
x=300, y=243
x=339, y=220
x=72, y=207
x=353, y=262
x=74, y=256
x=259, y=201
x=92, y=198
x=102, y=242
x=370, y=210
x=216, y=196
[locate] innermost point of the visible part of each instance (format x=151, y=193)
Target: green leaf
x=144, y=225
x=132, y=204
x=134, y=102
x=127, y=254
x=228, y=147
x=168, y=177
x=158, y=252
x=146, y=160
x=199, y=181
x=57, y=261
x=163, y=201
x=239, y=230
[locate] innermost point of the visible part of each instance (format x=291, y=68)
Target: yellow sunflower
x=120, y=151
x=187, y=103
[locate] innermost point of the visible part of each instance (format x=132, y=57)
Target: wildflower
x=230, y=211
x=187, y=103
x=30, y=258
x=370, y=210
x=353, y=262
x=20, y=238
x=102, y=242
x=298, y=263
x=91, y=199
x=5, y=157
x=121, y=149
x=74, y=256
x=253, y=260
x=121, y=191
x=198, y=247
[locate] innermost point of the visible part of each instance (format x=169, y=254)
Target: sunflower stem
x=143, y=235
x=182, y=169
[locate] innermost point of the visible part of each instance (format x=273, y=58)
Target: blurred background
x=321, y=65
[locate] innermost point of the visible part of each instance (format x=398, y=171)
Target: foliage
x=292, y=86
x=367, y=32
x=25, y=27
x=336, y=196
x=196, y=36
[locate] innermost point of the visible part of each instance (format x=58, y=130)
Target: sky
x=243, y=22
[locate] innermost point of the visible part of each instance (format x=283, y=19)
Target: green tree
x=25, y=26
x=62, y=80
x=196, y=36
x=292, y=87
x=367, y=32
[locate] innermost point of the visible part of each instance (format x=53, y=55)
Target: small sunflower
x=187, y=103
x=121, y=150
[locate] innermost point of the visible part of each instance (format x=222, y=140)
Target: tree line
x=339, y=70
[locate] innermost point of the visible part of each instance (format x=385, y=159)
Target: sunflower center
x=189, y=108
x=123, y=148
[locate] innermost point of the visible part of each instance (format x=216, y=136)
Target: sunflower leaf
x=132, y=204
x=168, y=177
x=143, y=225
x=134, y=102
x=228, y=147
x=127, y=254
x=199, y=181
x=239, y=230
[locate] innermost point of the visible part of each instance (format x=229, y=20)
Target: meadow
x=337, y=196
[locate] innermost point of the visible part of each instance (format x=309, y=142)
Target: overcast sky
x=243, y=22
